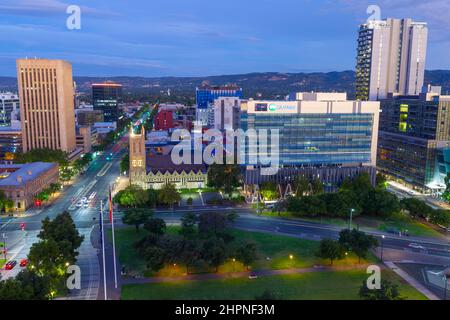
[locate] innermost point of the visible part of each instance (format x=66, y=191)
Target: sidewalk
x=413, y=282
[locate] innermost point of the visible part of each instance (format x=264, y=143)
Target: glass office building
x=322, y=134
x=412, y=131
x=105, y=97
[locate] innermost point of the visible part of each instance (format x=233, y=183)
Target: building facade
x=23, y=182
x=164, y=120
x=46, y=104
x=9, y=108
x=412, y=131
x=226, y=114
x=390, y=58
x=321, y=132
x=205, y=96
x=105, y=97
x=10, y=142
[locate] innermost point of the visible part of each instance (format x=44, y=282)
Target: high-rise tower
x=46, y=93
x=390, y=58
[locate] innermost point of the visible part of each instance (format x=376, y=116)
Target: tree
x=225, y=177
x=5, y=202
x=212, y=222
x=440, y=217
x=301, y=186
x=152, y=195
x=63, y=231
x=317, y=186
x=387, y=291
x=132, y=196
x=416, y=207
x=188, y=223
x=191, y=253
x=155, y=225
x=214, y=250
x=46, y=260
x=330, y=249
x=446, y=193
x=39, y=286
x=12, y=289
x=246, y=253
x=136, y=216
x=189, y=201
x=125, y=163
x=380, y=203
x=381, y=181
x=357, y=241
x=168, y=195
x=155, y=257
x=269, y=190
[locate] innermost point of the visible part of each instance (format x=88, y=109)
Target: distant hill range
x=268, y=84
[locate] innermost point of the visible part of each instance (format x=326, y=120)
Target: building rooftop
x=163, y=163
x=20, y=174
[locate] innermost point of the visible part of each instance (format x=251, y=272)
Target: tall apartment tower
x=46, y=104
x=390, y=58
x=138, y=170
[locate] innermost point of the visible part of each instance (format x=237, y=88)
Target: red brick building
x=164, y=120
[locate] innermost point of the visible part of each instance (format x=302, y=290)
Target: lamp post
x=382, y=238
x=350, y=220
x=234, y=260
x=446, y=278
x=291, y=257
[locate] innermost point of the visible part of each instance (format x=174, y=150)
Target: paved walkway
x=413, y=282
x=229, y=275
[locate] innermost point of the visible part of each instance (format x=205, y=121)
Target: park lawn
x=277, y=248
x=329, y=285
x=414, y=227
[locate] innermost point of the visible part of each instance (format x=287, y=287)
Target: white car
x=79, y=204
x=416, y=246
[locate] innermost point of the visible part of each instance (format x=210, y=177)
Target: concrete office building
x=9, y=108
x=390, y=58
x=324, y=135
x=47, y=105
x=414, y=138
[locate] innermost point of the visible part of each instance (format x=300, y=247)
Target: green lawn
x=274, y=252
x=341, y=285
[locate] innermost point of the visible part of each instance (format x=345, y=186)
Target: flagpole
x=113, y=238
x=103, y=249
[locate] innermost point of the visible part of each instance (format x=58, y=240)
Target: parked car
x=23, y=262
x=252, y=276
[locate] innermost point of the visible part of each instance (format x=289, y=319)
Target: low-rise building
x=22, y=182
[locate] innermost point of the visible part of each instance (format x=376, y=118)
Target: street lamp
x=291, y=257
x=350, y=221
x=234, y=260
x=382, y=238
x=446, y=278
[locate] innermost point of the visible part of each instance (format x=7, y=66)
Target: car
x=10, y=265
x=85, y=205
x=416, y=246
x=79, y=204
x=23, y=262
x=253, y=276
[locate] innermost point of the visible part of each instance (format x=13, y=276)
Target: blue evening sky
x=205, y=37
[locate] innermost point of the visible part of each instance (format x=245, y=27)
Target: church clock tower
x=138, y=171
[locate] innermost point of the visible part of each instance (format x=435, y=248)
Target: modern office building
x=390, y=58
x=105, y=97
x=10, y=142
x=414, y=130
x=9, y=108
x=323, y=135
x=22, y=182
x=46, y=105
x=87, y=117
x=205, y=96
